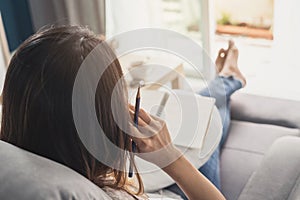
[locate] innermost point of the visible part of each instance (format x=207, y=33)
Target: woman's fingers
x=131, y=107
x=145, y=116
x=136, y=135
x=153, y=123
x=142, y=114
x=152, y=138
x=141, y=122
x=144, y=142
x=157, y=148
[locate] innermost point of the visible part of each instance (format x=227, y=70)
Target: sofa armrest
x=265, y=110
x=278, y=177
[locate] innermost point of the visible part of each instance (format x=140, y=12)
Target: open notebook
x=187, y=114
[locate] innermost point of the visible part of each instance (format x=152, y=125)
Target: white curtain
x=89, y=13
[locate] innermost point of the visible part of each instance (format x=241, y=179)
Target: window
x=188, y=17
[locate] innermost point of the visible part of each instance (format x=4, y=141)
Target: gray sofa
x=260, y=159
x=257, y=122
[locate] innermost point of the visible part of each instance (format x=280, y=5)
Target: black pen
x=136, y=122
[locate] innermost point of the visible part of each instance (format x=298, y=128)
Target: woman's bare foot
x=230, y=67
x=222, y=56
x=220, y=60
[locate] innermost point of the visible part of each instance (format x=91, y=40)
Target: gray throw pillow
x=26, y=176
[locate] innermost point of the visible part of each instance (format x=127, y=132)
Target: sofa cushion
x=26, y=176
x=253, y=137
x=236, y=168
x=243, y=152
x=265, y=110
x=278, y=177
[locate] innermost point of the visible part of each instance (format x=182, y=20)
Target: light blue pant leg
x=221, y=89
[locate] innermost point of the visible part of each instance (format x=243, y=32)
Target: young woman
x=37, y=115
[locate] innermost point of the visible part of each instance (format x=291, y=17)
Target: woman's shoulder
x=122, y=194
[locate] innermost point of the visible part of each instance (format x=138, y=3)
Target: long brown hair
x=37, y=103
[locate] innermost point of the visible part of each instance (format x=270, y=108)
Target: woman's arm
x=190, y=180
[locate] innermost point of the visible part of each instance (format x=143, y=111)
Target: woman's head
x=37, y=101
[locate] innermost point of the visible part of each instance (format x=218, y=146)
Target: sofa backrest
x=26, y=176
x=265, y=110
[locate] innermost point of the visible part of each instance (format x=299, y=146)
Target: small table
x=172, y=73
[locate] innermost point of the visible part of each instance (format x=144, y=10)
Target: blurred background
x=267, y=32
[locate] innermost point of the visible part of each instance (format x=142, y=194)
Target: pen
x=135, y=121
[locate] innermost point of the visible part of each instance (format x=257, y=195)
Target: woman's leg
x=221, y=88
x=230, y=79
x=222, y=94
